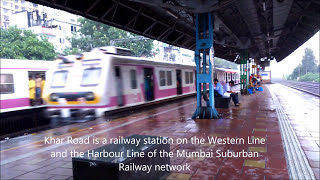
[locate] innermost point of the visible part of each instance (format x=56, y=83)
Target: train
x=16, y=111
x=109, y=78
x=103, y=80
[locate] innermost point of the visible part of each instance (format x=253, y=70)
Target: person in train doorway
x=229, y=92
x=43, y=82
x=38, y=89
x=32, y=87
x=218, y=91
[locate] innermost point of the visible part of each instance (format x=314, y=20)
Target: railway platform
x=277, y=115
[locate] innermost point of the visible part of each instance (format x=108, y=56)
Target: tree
x=308, y=62
x=94, y=34
x=307, y=67
x=296, y=73
x=221, y=63
x=23, y=44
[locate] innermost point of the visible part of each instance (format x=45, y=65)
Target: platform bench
x=222, y=102
x=108, y=168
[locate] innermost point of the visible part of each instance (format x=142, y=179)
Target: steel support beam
x=203, y=58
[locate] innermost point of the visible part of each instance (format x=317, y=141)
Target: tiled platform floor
x=255, y=117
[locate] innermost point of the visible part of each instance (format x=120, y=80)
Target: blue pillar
x=203, y=59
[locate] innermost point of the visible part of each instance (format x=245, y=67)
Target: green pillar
x=244, y=72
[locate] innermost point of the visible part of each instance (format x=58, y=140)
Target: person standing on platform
x=218, y=91
x=228, y=91
x=32, y=87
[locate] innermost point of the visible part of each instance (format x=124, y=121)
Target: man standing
x=32, y=87
x=233, y=94
x=38, y=89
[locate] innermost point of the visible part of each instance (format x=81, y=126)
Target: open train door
x=148, y=84
x=179, y=82
x=119, y=87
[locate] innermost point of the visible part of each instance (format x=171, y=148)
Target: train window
x=191, y=77
x=6, y=85
x=133, y=76
x=228, y=76
x=162, y=78
x=59, y=79
x=169, y=78
x=187, y=77
x=90, y=77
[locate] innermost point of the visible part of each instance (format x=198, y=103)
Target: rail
x=308, y=87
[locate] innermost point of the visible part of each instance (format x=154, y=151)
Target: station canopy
x=266, y=29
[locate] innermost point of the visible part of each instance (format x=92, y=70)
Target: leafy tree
x=218, y=62
x=308, y=62
x=94, y=34
x=296, y=73
x=310, y=77
x=23, y=44
x=307, y=68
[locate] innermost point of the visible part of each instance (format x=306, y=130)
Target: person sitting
x=228, y=92
x=258, y=80
x=218, y=91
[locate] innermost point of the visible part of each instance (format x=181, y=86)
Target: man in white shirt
x=228, y=92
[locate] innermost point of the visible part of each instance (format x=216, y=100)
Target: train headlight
x=54, y=97
x=89, y=96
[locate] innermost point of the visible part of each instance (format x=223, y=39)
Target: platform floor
x=29, y=158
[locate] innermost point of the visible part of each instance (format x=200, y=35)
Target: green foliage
x=94, y=34
x=308, y=62
x=221, y=63
x=310, y=77
x=23, y=44
x=308, y=66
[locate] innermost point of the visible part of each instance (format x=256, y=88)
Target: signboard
x=265, y=76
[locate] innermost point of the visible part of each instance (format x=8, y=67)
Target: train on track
x=108, y=79
x=89, y=84
x=15, y=108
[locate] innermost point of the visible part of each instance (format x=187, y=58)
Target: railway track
x=308, y=87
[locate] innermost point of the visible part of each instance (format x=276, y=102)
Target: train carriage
x=16, y=111
x=99, y=81
x=14, y=82
x=108, y=78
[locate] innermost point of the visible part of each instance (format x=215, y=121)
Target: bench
x=108, y=167
x=222, y=102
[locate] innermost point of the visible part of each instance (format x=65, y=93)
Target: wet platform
x=29, y=158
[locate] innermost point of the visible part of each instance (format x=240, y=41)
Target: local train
x=14, y=86
x=108, y=78
x=16, y=111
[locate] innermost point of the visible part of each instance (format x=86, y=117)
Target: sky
x=286, y=66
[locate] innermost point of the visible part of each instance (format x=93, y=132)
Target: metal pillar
x=244, y=72
x=203, y=58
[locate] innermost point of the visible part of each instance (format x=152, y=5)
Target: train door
x=36, y=86
x=179, y=82
x=119, y=87
x=148, y=84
